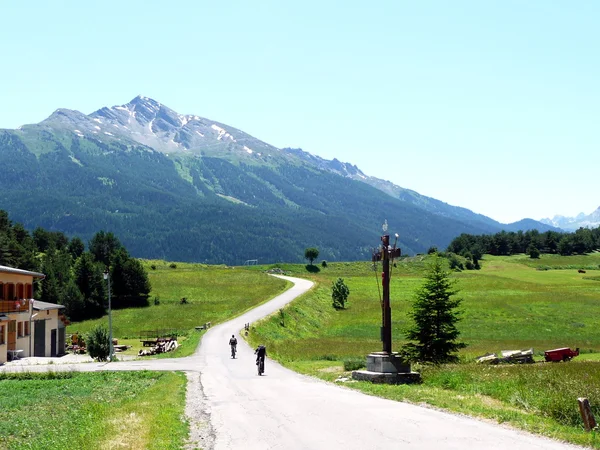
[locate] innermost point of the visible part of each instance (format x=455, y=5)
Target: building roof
x=6, y=269
x=44, y=306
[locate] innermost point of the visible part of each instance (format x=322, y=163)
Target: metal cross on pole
x=384, y=254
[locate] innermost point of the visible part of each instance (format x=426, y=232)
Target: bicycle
x=261, y=366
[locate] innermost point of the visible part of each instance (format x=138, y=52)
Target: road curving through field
x=285, y=410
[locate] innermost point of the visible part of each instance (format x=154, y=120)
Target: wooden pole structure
x=386, y=335
x=386, y=253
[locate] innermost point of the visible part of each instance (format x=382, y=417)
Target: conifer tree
x=435, y=314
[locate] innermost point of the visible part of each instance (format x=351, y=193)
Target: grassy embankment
x=509, y=304
x=138, y=410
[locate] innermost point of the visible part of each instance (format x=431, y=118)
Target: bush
x=323, y=263
x=339, y=293
x=97, y=343
x=153, y=266
x=183, y=301
x=354, y=363
x=173, y=266
x=156, y=300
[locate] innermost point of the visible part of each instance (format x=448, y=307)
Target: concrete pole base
x=385, y=368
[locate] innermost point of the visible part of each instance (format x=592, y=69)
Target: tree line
x=74, y=276
x=531, y=242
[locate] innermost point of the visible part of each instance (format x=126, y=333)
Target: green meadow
x=213, y=294
x=511, y=303
x=74, y=410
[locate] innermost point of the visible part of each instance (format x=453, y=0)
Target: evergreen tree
x=103, y=246
x=533, y=251
x=129, y=281
x=74, y=302
x=435, y=315
x=90, y=282
x=76, y=247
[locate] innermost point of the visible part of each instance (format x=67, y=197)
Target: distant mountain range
x=182, y=187
x=574, y=223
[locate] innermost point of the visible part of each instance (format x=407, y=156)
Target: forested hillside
x=204, y=193
x=73, y=276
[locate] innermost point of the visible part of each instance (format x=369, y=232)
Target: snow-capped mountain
x=151, y=123
x=573, y=223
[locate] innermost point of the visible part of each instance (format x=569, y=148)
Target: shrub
x=354, y=363
x=183, y=301
x=339, y=293
x=97, y=343
x=153, y=266
x=173, y=266
x=323, y=263
x=156, y=300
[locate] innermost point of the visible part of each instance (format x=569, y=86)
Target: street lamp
x=110, y=340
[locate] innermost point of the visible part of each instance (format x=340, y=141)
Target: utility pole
x=110, y=339
x=385, y=254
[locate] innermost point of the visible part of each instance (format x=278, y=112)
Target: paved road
x=284, y=410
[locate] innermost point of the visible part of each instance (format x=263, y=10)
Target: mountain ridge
x=148, y=173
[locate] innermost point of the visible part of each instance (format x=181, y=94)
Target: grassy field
x=511, y=303
x=141, y=410
x=213, y=293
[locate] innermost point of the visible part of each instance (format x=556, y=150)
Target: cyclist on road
x=260, y=353
x=233, y=344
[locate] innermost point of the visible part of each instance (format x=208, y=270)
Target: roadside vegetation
x=74, y=410
x=512, y=302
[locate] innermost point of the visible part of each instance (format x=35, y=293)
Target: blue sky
x=493, y=106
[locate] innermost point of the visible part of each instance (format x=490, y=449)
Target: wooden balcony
x=14, y=306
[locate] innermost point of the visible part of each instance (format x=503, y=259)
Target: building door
x=53, y=343
x=62, y=333
x=12, y=335
x=39, y=343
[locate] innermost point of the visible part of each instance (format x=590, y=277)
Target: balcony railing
x=14, y=306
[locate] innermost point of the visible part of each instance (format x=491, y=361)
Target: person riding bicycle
x=260, y=353
x=233, y=344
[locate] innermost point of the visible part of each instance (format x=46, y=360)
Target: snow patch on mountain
x=574, y=223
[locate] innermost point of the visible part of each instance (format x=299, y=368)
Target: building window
x=26, y=328
x=1, y=291
x=2, y=334
x=28, y=291
x=20, y=329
